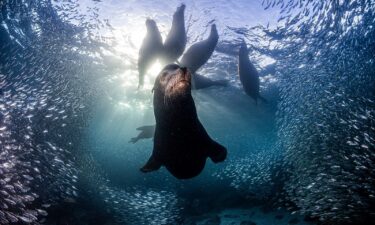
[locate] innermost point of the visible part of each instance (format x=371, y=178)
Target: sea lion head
x=243, y=48
x=213, y=32
x=173, y=82
x=213, y=28
x=180, y=10
x=150, y=24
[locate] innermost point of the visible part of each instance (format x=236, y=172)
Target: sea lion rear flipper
x=217, y=152
x=151, y=165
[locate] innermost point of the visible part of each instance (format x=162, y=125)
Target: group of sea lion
x=181, y=143
x=174, y=46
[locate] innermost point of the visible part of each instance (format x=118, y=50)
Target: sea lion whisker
x=167, y=100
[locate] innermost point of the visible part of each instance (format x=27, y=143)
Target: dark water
x=69, y=104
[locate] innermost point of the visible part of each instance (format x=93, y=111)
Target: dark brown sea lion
x=181, y=143
x=249, y=75
x=150, y=50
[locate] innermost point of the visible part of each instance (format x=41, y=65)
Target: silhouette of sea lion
x=175, y=43
x=181, y=143
x=151, y=48
x=146, y=132
x=249, y=76
x=199, y=53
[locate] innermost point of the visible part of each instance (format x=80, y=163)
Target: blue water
x=70, y=103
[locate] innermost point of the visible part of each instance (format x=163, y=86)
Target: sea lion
x=199, y=53
x=174, y=44
x=146, y=132
x=181, y=143
x=151, y=48
x=249, y=76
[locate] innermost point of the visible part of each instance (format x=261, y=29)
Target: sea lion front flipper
x=217, y=152
x=134, y=139
x=148, y=127
x=151, y=165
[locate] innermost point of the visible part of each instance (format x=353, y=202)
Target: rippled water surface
x=70, y=104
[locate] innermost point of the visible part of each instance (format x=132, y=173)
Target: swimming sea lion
x=199, y=53
x=249, y=76
x=174, y=44
x=181, y=143
x=146, y=132
x=151, y=48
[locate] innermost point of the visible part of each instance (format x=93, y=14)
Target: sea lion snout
x=184, y=76
x=181, y=8
x=174, y=81
x=184, y=69
x=180, y=83
x=213, y=28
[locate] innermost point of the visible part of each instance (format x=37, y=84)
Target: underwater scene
x=194, y=112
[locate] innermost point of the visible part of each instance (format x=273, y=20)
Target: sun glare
x=125, y=49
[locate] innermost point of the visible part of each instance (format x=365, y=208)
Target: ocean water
x=70, y=103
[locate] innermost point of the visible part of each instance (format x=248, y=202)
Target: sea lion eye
x=164, y=76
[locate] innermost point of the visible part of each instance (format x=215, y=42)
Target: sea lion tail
x=217, y=152
x=263, y=99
